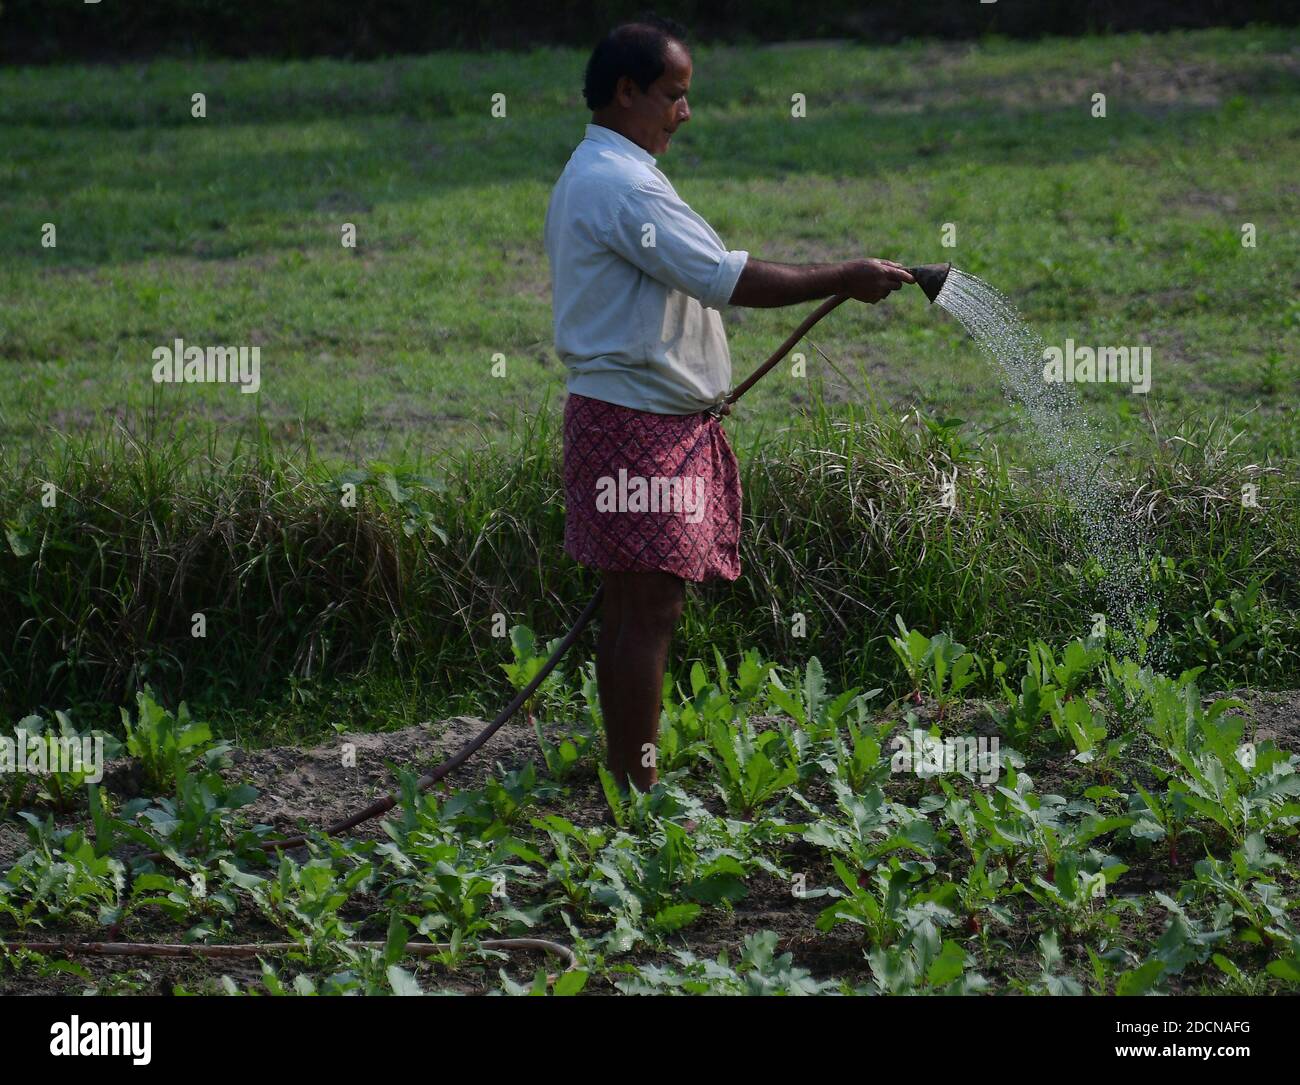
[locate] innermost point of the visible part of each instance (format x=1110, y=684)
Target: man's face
x=653, y=116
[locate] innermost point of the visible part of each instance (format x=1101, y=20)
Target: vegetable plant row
x=1098, y=827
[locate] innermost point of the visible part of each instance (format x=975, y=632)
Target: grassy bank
x=301, y=586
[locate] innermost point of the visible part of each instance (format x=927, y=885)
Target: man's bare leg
x=631, y=658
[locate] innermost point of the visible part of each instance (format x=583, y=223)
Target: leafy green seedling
x=817, y=715
x=1025, y=710
x=166, y=745
x=1076, y=723
x=562, y=757
x=61, y=879
x=746, y=772
x=855, y=757
x=759, y=971
x=66, y=760
x=913, y=650
x=527, y=664
x=1068, y=674
x=939, y=661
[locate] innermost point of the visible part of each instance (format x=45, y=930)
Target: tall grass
x=98, y=594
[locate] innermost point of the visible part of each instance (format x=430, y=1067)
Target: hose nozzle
x=930, y=278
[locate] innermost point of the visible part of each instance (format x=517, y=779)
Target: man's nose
x=683, y=112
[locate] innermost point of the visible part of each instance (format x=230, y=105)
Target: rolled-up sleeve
x=654, y=229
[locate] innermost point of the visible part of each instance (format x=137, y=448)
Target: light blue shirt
x=637, y=279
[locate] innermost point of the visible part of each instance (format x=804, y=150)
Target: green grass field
x=226, y=230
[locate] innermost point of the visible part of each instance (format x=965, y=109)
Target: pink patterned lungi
x=650, y=491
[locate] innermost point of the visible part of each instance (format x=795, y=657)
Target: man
x=651, y=485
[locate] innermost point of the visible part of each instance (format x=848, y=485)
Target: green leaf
x=571, y=983
x=698, y=678
x=103, y=823
x=1139, y=980
x=785, y=701
x=676, y=916
x=394, y=488
x=613, y=799
x=21, y=545
x=398, y=935
x=234, y=874
x=814, y=689
x=948, y=966
x=402, y=982
x=1227, y=967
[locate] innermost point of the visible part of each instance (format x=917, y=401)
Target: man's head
x=637, y=80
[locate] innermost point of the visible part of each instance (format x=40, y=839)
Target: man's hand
x=872, y=280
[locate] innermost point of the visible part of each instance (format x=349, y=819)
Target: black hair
x=635, y=49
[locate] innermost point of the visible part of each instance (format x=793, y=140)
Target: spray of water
x=1064, y=437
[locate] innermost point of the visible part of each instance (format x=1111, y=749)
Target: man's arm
x=765, y=285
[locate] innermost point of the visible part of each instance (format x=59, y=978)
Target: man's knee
x=653, y=600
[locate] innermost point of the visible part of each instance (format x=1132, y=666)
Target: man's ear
x=623, y=90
